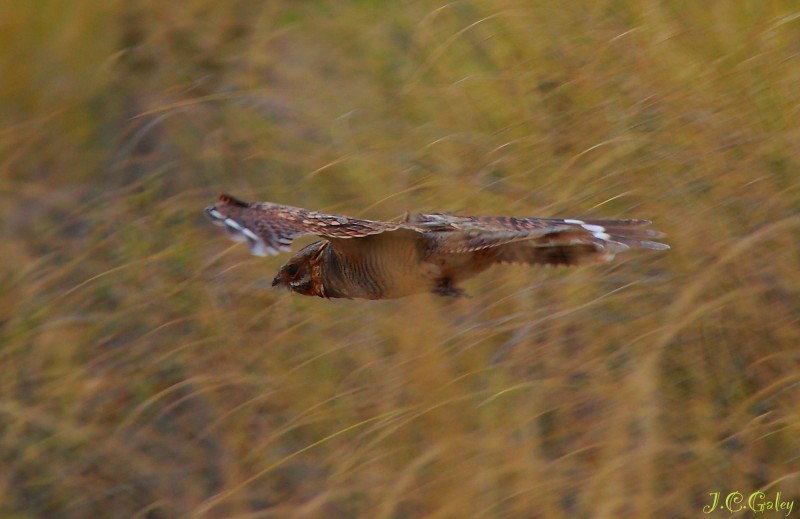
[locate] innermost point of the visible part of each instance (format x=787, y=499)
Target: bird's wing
x=270, y=228
x=471, y=233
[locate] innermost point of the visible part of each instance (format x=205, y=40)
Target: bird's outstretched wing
x=540, y=240
x=269, y=228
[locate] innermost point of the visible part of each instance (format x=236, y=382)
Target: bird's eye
x=292, y=269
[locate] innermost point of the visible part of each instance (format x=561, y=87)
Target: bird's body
x=381, y=267
x=424, y=253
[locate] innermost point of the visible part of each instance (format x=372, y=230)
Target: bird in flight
x=433, y=252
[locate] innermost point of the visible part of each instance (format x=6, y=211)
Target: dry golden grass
x=149, y=372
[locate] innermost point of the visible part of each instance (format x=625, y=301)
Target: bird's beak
x=276, y=281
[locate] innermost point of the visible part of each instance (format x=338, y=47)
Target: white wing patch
x=598, y=231
x=239, y=233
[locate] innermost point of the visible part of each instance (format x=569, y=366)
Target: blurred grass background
x=149, y=372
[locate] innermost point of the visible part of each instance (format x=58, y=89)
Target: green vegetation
x=148, y=371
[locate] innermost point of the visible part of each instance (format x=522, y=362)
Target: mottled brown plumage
x=434, y=252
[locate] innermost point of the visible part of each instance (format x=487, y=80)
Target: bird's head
x=303, y=272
